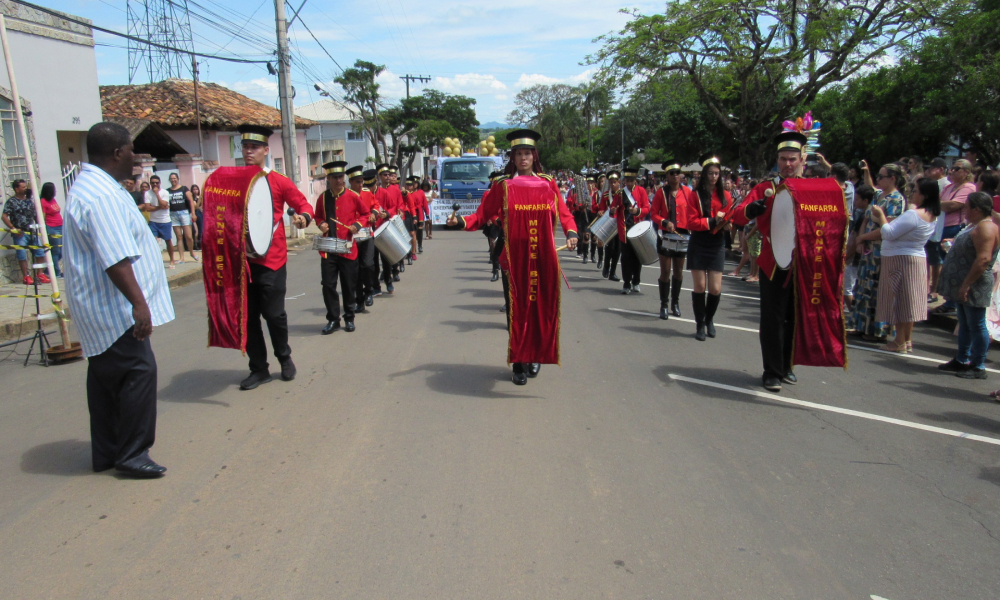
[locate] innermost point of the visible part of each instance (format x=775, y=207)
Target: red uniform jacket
x=641, y=199
x=283, y=192
x=766, y=258
x=690, y=217
x=369, y=203
x=395, y=201
x=595, y=200
x=350, y=211
x=662, y=212
x=419, y=201
x=492, y=207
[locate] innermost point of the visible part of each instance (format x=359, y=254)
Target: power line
x=134, y=38
x=303, y=23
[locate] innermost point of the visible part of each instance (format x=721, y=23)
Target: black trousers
x=495, y=254
x=332, y=268
x=420, y=234
x=387, y=271
x=611, y=252
x=266, y=298
x=367, y=273
x=121, y=396
x=777, y=322
x=631, y=267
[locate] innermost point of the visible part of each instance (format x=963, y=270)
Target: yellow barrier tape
x=46, y=246
x=25, y=296
x=21, y=231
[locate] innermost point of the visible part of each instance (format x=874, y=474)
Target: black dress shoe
x=389, y=288
x=604, y=273
x=420, y=249
x=700, y=333
x=360, y=309
x=349, y=326
x=772, y=384
x=710, y=329
x=409, y=260
x=496, y=275
x=953, y=366
x=256, y=378
x=533, y=369
x=663, y=312
x=519, y=378
x=369, y=300
x=402, y=268
x=288, y=370
x=600, y=263
x=331, y=326
x=790, y=378
x=149, y=470
x=614, y=278
x=584, y=259
x=396, y=279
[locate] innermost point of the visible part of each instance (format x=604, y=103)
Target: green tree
x=755, y=63
x=425, y=120
x=362, y=97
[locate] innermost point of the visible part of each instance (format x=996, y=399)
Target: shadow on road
x=738, y=379
x=940, y=391
x=469, y=326
x=967, y=419
x=481, y=293
x=199, y=385
x=483, y=309
x=465, y=380
x=660, y=331
x=65, y=457
x=990, y=474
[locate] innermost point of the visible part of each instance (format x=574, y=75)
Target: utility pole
x=285, y=93
x=197, y=107
x=408, y=78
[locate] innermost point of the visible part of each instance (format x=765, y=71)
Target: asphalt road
x=403, y=463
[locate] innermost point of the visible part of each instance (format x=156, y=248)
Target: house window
x=353, y=136
x=17, y=161
x=279, y=165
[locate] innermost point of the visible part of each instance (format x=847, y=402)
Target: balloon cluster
x=806, y=126
x=488, y=147
x=452, y=147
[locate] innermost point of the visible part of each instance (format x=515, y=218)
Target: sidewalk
x=17, y=314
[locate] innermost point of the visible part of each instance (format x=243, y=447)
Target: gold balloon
x=494, y=152
x=491, y=138
x=491, y=145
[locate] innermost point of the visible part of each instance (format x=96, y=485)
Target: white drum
x=364, y=234
x=260, y=217
x=783, y=228
x=332, y=245
x=400, y=226
x=642, y=238
x=675, y=242
x=604, y=228
x=395, y=246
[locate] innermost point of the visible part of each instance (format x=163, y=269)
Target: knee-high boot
x=711, y=305
x=664, y=298
x=675, y=296
x=698, y=304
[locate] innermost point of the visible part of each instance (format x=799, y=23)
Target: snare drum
x=332, y=245
x=604, y=228
x=364, y=234
x=675, y=243
x=260, y=217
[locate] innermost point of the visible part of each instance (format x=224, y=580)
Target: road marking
x=685, y=289
x=837, y=409
x=648, y=314
x=851, y=346
x=295, y=297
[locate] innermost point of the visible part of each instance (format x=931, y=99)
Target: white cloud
x=528, y=80
x=469, y=83
x=261, y=89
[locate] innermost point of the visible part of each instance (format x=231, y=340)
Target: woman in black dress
x=704, y=216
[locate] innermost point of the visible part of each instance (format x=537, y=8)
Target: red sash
x=224, y=263
x=820, y=240
x=534, y=271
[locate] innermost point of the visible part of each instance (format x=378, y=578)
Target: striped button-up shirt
x=102, y=227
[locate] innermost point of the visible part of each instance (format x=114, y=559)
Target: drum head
x=783, y=228
x=381, y=228
x=260, y=216
x=639, y=229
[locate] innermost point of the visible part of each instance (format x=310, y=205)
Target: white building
x=56, y=71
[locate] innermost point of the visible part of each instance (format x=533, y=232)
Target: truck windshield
x=478, y=170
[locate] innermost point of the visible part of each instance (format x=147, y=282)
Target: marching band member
x=494, y=230
x=588, y=240
x=596, y=208
x=358, y=180
x=703, y=214
x=627, y=214
x=613, y=248
x=405, y=212
x=578, y=208
x=422, y=212
x=665, y=213
x=777, y=296
x=529, y=204
x=391, y=202
x=266, y=289
x=339, y=214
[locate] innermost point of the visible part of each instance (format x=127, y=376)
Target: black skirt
x=707, y=251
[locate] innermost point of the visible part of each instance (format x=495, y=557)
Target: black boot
x=675, y=297
x=698, y=304
x=711, y=305
x=593, y=250
x=664, y=298
x=496, y=275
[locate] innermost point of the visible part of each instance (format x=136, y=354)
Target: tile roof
x=170, y=104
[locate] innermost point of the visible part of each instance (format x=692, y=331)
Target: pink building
x=162, y=119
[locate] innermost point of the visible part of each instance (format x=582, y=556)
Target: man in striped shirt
x=117, y=293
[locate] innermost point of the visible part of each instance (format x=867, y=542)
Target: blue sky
x=486, y=50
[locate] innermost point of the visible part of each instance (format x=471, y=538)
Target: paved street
x=402, y=463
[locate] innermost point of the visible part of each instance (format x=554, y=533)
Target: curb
x=14, y=328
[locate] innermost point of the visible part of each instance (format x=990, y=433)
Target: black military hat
x=379, y=168
x=591, y=178
x=614, y=175
x=393, y=169
x=357, y=171
x=337, y=167
x=370, y=176
x=630, y=172
x=523, y=138
x=671, y=165
x=791, y=140
x=709, y=159
x=255, y=133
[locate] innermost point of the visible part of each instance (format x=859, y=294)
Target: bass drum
x=642, y=238
x=260, y=217
x=783, y=228
x=394, y=245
